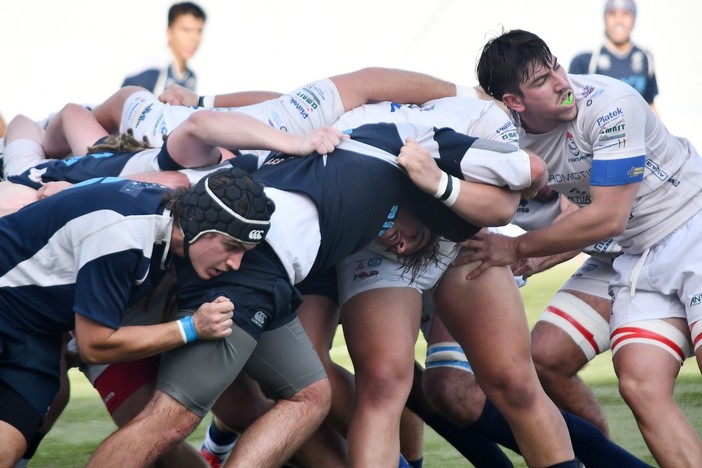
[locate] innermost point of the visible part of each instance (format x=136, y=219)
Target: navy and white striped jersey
x=358, y=186
x=94, y=250
x=80, y=168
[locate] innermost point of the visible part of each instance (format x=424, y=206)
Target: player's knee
x=554, y=362
x=176, y=420
x=383, y=381
x=642, y=392
x=517, y=391
x=454, y=393
x=316, y=397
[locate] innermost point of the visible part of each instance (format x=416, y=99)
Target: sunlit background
x=54, y=52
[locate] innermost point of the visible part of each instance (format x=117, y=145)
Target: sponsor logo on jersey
x=259, y=319
x=635, y=172
x=574, y=150
x=523, y=206
x=511, y=136
x=316, y=91
x=310, y=98
x=369, y=262
x=615, y=132
x=276, y=160
x=300, y=108
x=571, y=145
x=108, y=397
x=579, y=197
x=569, y=177
x=587, y=90
x=608, y=246
x=508, y=125
x=394, y=106
x=365, y=275
x=609, y=116
x=275, y=121
x=143, y=114
x=696, y=300
x=389, y=223
x=656, y=170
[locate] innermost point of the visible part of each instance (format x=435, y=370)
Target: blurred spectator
x=619, y=57
x=185, y=24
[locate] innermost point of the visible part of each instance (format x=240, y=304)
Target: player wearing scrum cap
x=58, y=272
x=328, y=206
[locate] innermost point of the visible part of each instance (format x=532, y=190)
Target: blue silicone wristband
x=189, y=328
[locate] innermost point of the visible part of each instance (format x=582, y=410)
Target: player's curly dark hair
x=506, y=62
x=124, y=143
x=416, y=263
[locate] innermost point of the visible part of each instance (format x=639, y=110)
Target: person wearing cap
x=58, y=273
x=619, y=57
x=47, y=278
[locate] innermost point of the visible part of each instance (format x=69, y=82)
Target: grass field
x=85, y=422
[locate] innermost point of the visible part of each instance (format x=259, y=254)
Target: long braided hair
x=124, y=143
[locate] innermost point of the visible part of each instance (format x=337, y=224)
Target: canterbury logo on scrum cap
x=234, y=205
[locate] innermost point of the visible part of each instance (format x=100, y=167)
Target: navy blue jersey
x=80, y=168
x=356, y=189
x=93, y=249
x=150, y=78
x=634, y=68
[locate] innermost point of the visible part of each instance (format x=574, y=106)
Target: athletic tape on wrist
x=443, y=183
x=455, y=186
x=206, y=101
x=187, y=328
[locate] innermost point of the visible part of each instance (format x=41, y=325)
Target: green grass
x=85, y=422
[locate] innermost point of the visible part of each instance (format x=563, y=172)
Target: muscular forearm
x=127, y=343
x=574, y=232
x=238, y=131
x=485, y=205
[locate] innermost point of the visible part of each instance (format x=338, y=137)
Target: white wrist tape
x=455, y=189
x=443, y=183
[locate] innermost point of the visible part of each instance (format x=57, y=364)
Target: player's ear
x=513, y=101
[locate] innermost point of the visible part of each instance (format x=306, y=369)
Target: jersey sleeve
x=474, y=159
x=494, y=124
x=103, y=287
x=618, y=133
x=112, y=262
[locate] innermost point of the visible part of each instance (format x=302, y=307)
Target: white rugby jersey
x=472, y=116
x=299, y=111
x=615, y=140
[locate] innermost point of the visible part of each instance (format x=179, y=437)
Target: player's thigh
x=285, y=362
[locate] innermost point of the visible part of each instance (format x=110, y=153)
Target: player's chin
x=208, y=274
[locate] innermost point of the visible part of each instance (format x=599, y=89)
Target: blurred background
x=80, y=50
